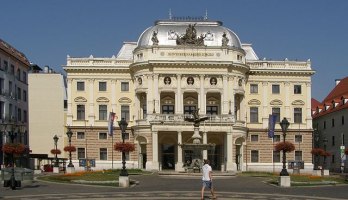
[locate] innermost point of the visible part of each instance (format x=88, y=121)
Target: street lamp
x=324, y=142
x=123, y=126
x=284, y=124
x=55, y=139
x=316, y=145
x=69, y=134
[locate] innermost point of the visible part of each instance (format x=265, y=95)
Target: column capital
x=155, y=76
x=70, y=80
x=264, y=83
x=113, y=81
x=308, y=84
x=287, y=83
x=91, y=80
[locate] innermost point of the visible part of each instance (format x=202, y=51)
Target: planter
x=284, y=181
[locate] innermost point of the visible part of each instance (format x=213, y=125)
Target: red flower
x=317, y=151
x=70, y=148
x=55, y=151
x=285, y=146
x=124, y=147
x=13, y=148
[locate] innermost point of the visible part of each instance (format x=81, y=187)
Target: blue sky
x=47, y=31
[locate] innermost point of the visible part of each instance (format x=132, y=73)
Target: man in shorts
x=207, y=179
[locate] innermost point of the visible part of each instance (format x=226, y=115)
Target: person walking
x=207, y=179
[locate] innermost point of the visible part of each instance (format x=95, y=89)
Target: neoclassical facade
x=176, y=67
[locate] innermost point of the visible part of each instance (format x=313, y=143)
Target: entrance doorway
x=215, y=157
x=168, y=156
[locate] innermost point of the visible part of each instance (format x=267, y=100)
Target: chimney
x=46, y=69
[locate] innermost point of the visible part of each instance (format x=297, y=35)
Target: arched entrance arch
x=239, y=152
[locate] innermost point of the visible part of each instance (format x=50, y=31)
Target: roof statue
x=196, y=119
x=190, y=37
x=224, y=40
x=154, y=38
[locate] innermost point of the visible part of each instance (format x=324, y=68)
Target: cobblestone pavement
x=160, y=187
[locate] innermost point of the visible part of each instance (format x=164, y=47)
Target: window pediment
x=80, y=99
x=298, y=103
x=212, y=101
x=102, y=99
x=276, y=102
x=125, y=100
x=167, y=100
x=254, y=102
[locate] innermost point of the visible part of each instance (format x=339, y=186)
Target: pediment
x=167, y=100
x=190, y=101
x=80, y=99
x=125, y=100
x=103, y=99
x=276, y=102
x=298, y=103
x=254, y=102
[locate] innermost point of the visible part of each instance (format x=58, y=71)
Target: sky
x=46, y=31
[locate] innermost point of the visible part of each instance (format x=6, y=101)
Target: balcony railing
x=180, y=118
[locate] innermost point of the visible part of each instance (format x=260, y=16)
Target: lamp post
x=13, y=183
x=316, y=145
x=55, y=139
x=284, y=124
x=69, y=134
x=123, y=126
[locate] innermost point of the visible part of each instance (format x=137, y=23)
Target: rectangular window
x=24, y=96
x=19, y=114
x=342, y=119
x=103, y=110
x=19, y=93
x=276, y=138
x=297, y=115
x=80, y=86
x=2, y=86
x=254, y=138
x=18, y=75
x=324, y=124
x=81, y=153
x=10, y=111
x=298, y=155
x=254, y=88
x=124, y=86
x=254, y=115
x=103, y=154
x=189, y=109
x=167, y=109
x=333, y=140
x=275, y=89
x=126, y=136
x=25, y=116
x=212, y=110
x=297, y=89
x=12, y=68
x=24, y=77
x=125, y=112
x=102, y=86
x=5, y=66
x=298, y=138
x=254, y=156
x=276, y=156
x=332, y=158
x=103, y=136
x=333, y=122
x=80, y=135
x=276, y=112
x=2, y=109
x=144, y=111
x=80, y=112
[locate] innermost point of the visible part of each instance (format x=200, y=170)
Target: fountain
x=196, y=146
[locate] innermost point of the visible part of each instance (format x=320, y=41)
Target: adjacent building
x=14, y=67
x=177, y=66
x=330, y=122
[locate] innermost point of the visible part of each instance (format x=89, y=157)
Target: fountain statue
x=196, y=146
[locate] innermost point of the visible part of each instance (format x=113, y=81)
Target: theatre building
x=178, y=66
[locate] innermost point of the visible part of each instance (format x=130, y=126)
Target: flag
x=111, y=123
x=271, y=125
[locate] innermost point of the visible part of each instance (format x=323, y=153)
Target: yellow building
x=176, y=67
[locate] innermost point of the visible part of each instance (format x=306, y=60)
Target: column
x=264, y=112
x=155, y=164
x=201, y=96
x=155, y=95
x=232, y=98
x=308, y=106
x=91, y=115
x=287, y=101
x=225, y=106
x=205, y=152
x=69, y=119
x=113, y=96
x=179, y=95
x=179, y=164
x=149, y=97
x=230, y=166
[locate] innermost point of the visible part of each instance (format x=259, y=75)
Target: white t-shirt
x=206, y=170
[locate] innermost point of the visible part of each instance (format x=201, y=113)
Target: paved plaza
x=174, y=187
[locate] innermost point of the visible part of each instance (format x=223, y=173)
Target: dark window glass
x=80, y=86
x=254, y=115
x=212, y=110
x=80, y=112
x=167, y=109
x=103, y=109
x=276, y=112
x=298, y=155
x=275, y=89
x=102, y=86
x=103, y=153
x=297, y=115
x=124, y=86
x=254, y=88
x=125, y=112
x=276, y=156
x=81, y=153
x=297, y=89
x=254, y=156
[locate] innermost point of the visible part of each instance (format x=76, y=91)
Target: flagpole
x=112, y=151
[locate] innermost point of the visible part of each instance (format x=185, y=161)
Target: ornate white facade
x=177, y=67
